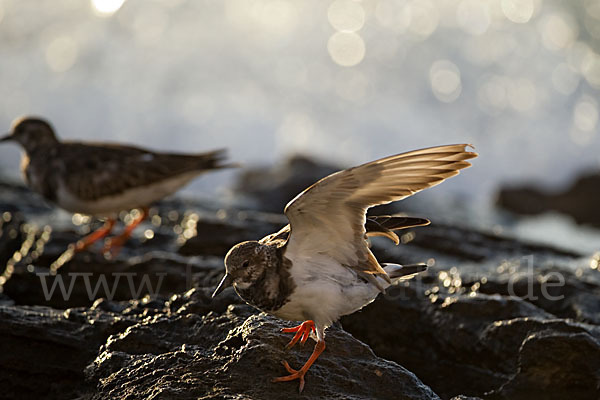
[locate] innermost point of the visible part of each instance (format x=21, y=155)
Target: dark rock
x=556, y=290
x=11, y=235
x=272, y=188
x=471, y=244
x=5, y=300
x=89, y=277
x=200, y=301
x=579, y=201
x=216, y=237
x=469, y=343
x=43, y=351
x=507, y=336
x=478, y=324
x=439, y=341
x=556, y=365
x=237, y=354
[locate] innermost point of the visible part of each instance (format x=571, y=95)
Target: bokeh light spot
x=106, y=7
x=518, y=11
x=445, y=81
x=346, y=49
x=590, y=68
x=473, y=16
x=346, y=15
x=558, y=31
x=585, y=114
x=424, y=18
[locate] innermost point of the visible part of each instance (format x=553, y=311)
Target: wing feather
x=329, y=217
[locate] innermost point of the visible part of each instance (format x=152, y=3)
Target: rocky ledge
x=493, y=318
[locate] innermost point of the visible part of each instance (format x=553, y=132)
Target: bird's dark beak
x=6, y=138
x=225, y=283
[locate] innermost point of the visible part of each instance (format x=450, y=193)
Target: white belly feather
x=325, y=290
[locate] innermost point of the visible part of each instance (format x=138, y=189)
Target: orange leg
x=87, y=241
x=299, y=374
x=302, y=331
x=114, y=244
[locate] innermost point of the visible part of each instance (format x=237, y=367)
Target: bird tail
x=214, y=160
x=399, y=273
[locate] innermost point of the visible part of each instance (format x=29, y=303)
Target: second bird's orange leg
x=299, y=374
x=93, y=237
x=114, y=244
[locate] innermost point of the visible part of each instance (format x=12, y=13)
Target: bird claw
x=302, y=333
x=299, y=374
x=294, y=374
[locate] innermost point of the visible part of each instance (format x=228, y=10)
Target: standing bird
x=102, y=179
x=319, y=267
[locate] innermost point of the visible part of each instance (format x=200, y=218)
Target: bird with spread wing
x=319, y=267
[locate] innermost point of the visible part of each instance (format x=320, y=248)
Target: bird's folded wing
x=329, y=217
x=108, y=170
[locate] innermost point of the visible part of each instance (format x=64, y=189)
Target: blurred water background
x=344, y=81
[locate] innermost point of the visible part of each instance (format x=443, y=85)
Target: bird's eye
x=245, y=264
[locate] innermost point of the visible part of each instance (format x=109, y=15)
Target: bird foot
x=93, y=237
x=302, y=333
x=299, y=374
x=294, y=374
x=81, y=245
x=114, y=244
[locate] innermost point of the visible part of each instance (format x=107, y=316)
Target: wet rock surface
x=237, y=353
x=493, y=318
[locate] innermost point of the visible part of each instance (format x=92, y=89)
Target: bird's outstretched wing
x=329, y=217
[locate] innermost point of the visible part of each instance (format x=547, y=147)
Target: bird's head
x=245, y=264
x=31, y=133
